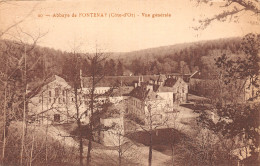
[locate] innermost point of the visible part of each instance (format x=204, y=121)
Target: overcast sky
x=119, y=34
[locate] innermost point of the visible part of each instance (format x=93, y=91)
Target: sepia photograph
x=129, y=83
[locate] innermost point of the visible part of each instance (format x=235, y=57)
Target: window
x=56, y=92
x=64, y=100
x=72, y=99
x=56, y=117
x=49, y=100
x=63, y=93
x=40, y=100
x=50, y=93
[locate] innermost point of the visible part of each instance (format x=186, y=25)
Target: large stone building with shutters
x=53, y=102
x=156, y=98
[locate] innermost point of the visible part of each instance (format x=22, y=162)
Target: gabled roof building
x=160, y=95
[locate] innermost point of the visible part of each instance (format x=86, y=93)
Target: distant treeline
x=181, y=58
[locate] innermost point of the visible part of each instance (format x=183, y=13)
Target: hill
x=179, y=58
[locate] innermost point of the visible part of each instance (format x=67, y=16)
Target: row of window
x=59, y=100
x=63, y=100
x=57, y=92
x=137, y=104
x=100, y=91
x=181, y=90
x=137, y=112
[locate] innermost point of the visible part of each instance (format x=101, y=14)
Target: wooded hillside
x=180, y=58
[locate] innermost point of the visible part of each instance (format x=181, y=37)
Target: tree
x=6, y=77
x=78, y=103
x=15, y=24
x=74, y=77
x=107, y=68
x=136, y=66
x=110, y=68
x=15, y=77
x=236, y=118
x=96, y=74
x=24, y=70
x=231, y=11
x=174, y=136
x=153, y=119
x=125, y=148
x=84, y=67
x=120, y=69
x=204, y=147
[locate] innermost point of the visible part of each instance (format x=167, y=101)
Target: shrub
x=57, y=153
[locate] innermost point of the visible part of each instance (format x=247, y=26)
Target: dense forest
x=180, y=58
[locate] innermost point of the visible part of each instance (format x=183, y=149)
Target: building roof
x=112, y=111
x=169, y=82
x=158, y=88
x=197, y=75
x=122, y=91
x=36, y=89
x=112, y=81
x=142, y=93
x=203, y=75
x=162, y=78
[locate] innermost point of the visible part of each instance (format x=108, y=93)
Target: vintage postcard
x=129, y=82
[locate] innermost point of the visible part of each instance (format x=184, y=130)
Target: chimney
x=136, y=84
x=142, y=78
x=139, y=81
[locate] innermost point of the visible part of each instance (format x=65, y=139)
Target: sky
x=117, y=34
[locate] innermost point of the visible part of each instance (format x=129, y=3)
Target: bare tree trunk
x=120, y=159
x=79, y=124
x=91, y=116
x=96, y=75
x=4, y=129
x=80, y=144
x=172, y=148
x=90, y=143
x=150, y=149
x=24, y=111
x=119, y=150
x=151, y=135
x=46, y=144
x=32, y=149
x=173, y=141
